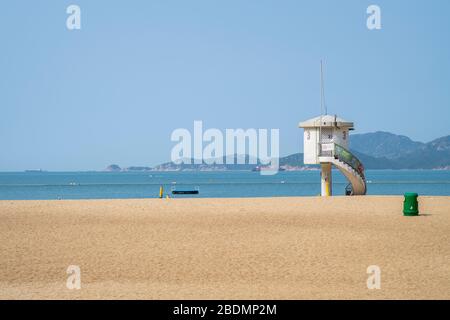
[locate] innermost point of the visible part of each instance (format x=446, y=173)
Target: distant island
x=377, y=150
x=116, y=168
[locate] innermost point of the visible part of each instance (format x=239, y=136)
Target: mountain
x=382, y=144
x=400, y=152
x=377, y=150
x=440, y=144
x=113, y=168
x=433, y=155
x=191, y=166
x=295, y=159
x=370, y=162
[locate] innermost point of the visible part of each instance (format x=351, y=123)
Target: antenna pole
x=321, y=88
x=323, y=106
x=321, y=110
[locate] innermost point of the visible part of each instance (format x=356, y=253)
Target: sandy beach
x=267, y=248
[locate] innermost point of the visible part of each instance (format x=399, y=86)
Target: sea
x=212, y=184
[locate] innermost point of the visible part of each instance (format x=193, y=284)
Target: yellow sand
x=268, y=248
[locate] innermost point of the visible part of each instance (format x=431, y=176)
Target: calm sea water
x=106, y=185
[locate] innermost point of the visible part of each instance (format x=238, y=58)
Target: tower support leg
x=325, y=178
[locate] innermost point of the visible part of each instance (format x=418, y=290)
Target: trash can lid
x=411, y=194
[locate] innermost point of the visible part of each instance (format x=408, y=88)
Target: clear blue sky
x=114, y=91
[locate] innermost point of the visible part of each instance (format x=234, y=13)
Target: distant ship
x=35, y=170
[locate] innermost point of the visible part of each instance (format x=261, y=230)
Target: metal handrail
x=347, y=157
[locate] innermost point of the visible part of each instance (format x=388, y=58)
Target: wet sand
x=266, y=248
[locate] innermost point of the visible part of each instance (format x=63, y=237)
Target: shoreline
x=194, y=198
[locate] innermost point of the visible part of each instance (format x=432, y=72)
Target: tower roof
x=326, y=121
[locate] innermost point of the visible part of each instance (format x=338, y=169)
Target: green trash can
x=410, y=204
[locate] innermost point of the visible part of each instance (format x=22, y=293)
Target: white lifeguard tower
x=325, y=142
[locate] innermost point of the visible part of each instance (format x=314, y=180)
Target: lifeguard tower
x=325, y=142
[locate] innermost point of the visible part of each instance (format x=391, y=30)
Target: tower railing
x=331, y=149
x=349, y=158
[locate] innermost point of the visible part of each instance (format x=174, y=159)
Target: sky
x=115, y=90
